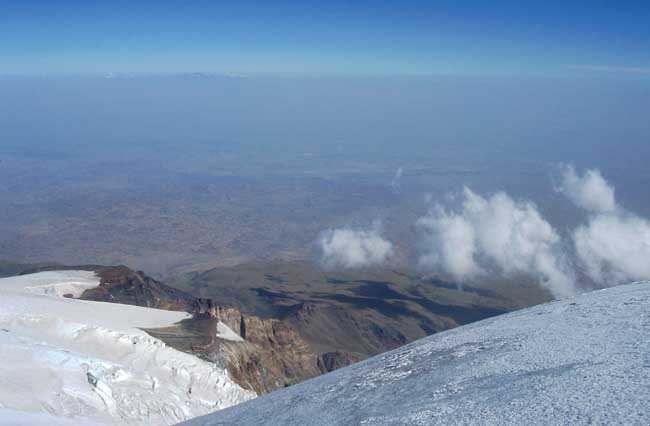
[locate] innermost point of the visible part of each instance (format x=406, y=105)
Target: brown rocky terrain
x=271, y=354
x=356, y=314
x=296, y=321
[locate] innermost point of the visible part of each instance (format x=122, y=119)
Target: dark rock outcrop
x=331, y=361
x=271, y=355
x=122, y=285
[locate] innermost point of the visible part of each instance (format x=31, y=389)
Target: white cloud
x=589, y=191
x=614, y=248
x=500, y=236
x=347, y=248
x=449, y=241
x=494, y=235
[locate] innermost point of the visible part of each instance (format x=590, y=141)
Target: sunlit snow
x=54, y=283
x=226, y=333
x=72, y=362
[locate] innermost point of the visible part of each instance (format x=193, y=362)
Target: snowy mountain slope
x=577, y=361
x=69, y=362
x=54, y=283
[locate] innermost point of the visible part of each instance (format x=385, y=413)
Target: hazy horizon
x=295, y=155
x=166, y=136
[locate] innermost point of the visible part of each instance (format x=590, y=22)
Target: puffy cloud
x=498, y=235
x=347, y=248
x=494, y=235
x=614, y=248
x=449, y=241
x=589, y=191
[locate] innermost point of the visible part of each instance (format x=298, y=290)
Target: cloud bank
x=613, y=246
x=614, y=249
x=347, y=248
x=494, y=235
x=499, y=236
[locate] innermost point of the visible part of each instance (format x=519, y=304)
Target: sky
x=358, y=37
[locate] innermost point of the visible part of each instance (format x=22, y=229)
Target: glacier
x=71, y=362
x=578, y=361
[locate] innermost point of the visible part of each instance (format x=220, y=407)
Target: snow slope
x=226, y=333
x=54, y=283
x=577, y=361
x=72, y=362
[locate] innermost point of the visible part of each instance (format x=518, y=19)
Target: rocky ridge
x=270, y=354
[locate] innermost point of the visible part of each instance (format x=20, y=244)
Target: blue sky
x=375, y=37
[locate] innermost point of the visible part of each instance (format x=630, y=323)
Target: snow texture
x=54, y=283
x=578, y=361
x=71, y=362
